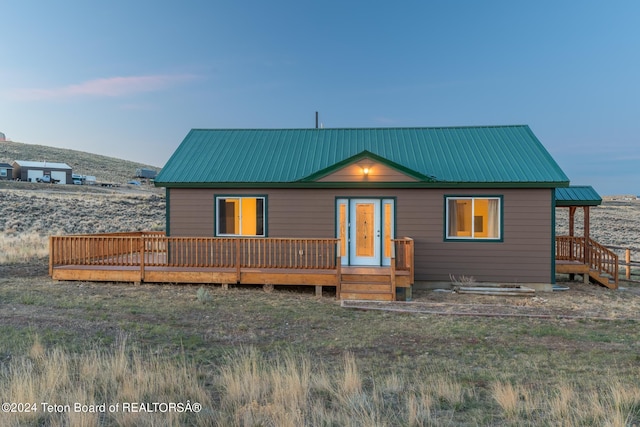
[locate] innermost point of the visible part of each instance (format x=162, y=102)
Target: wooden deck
x=584, y=256
x=155, y=258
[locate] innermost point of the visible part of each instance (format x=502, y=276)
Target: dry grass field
x=30, y=212
x=148, y=353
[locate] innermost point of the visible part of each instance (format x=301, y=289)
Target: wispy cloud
x=112, y=87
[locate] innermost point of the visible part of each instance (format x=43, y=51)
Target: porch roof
x=577, y=195
x=481, y=156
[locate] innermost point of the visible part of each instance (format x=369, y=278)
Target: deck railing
x=404, y=255
x=154, y=251
x=587, y=251
x=157, y=250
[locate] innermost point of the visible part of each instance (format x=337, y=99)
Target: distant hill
x=104, y=168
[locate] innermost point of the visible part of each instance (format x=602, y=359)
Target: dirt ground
x=580, y=301
x=75, y=209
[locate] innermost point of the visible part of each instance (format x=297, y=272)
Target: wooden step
x=366, y=278
x=369, y=296
x=365, y=287
x=372, y=271
x=603, y=279
x=366, y=283
x=362, y=290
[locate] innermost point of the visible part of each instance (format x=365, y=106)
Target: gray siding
x=524, y=255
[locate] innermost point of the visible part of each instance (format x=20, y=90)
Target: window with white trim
x=240, y=216
x=473, y=218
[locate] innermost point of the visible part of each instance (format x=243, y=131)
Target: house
x=6, y=171
x=476, y=201
x=369, y=212
x=24, y=170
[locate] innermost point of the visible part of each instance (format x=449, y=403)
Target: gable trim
x=367, y=155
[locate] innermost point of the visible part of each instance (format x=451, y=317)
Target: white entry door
x=366, y=229
x=365, y=232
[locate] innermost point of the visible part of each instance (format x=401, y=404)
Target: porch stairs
x=603, y=279
x=367, y=283
x=585, y=256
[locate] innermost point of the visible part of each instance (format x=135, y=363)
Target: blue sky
x=130, y=78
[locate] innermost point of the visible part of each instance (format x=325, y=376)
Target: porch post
x=142, y=254
x=587, y=239
x=52, y=254
x=338, y=268
x=572, y=213
x=238, y=259
x=586, y=221
x=392, y=264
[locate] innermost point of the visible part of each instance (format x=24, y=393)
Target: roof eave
x=438, y=184
x=572, y=203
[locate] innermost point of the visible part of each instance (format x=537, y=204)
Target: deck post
x=411, y=260
x=338, y=269
x=392, y=264
x=238, y=260
x=587, y=237
x=52, y=252
x=142, y=245
x=572, y=213
x=318, y=290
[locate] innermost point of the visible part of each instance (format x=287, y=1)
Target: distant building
x=33, y=171
x=146, y=173
x=2, y=137
x=6, y=171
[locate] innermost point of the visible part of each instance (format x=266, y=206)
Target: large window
x=240, y=216
x=473, y=218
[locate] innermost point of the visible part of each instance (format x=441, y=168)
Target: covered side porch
x=152, y=257
x=581, y=254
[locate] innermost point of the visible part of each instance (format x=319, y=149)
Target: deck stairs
x=366, y=283
x=603, y=278
x=595, y=262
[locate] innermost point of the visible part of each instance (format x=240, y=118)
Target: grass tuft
x=203, y=295
x=22, y=247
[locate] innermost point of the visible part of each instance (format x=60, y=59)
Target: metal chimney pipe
x=316, y=120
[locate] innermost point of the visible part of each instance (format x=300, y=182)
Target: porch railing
x=404, y=248
x=143, y=250
x=587, y=251
x=157, y=250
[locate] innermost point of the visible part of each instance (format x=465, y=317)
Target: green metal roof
x=451, y=156
x=577, y=195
